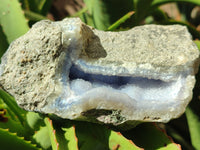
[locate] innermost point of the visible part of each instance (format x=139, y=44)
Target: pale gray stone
x=74, y=71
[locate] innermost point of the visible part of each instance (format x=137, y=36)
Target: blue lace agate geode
x=76, y=72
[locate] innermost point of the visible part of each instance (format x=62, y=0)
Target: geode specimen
x=76, y=72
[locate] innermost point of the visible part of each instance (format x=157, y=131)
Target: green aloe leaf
x=118, y=142
x=52, y=134
x=65, y=134
x=10, y=102
x=34, y=16
x=87, y=19
x=70, y=136
x=120, y=21
x=193, y=113
x=34, y=120
x=104, y=13
x=194, y=127
x=12, y=19
x=45, y=7
x=3, y=117
x=9, y=141
x=140, y=14
x=92, y=136
x=97, y=137
x=149, y=136
x=80, y=12
x=42, y=137
x=16, y=116
x=7, y=123
x=37, y=6
x=150, y=6
x=9, y=112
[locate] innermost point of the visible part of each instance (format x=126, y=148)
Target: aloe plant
x=20, y=129
x=10, y=11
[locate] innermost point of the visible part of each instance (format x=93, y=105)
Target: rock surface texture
x=76, y=72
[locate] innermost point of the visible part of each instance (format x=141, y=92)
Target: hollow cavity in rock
x=74, y=71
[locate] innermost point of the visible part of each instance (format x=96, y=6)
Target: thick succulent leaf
x=3, y=42
x=194, y=127
x=92, y=136
x=84, y=16
x=40, y=6
x=120, y=21
x=159, y=15
x=42, y=138
x=34, y=16
x=9, y=112
x=150, y=6
x=15, y=122
x=140, y=14
x=9, y=141
x=12, y=19
x=3, y=117
x=34, y=120
x=70, y=136
x=80, y=12
x=149, y=136
x=87, y=19
x=97, y=137
x=52, y=133
x=10, y=102
x=118, y=142
x=60, y=137
x=7, y=123
x=105, y=13
x=65, y=134
x=46, y=6
x=193, y=113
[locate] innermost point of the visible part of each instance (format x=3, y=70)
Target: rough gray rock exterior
x=76, y=72
x=30, y=63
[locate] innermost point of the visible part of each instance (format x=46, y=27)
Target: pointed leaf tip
x=71, y=138
x=52, y=133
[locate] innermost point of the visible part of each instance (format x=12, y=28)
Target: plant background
x=24, y=130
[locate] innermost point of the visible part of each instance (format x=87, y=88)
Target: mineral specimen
x=74, y=71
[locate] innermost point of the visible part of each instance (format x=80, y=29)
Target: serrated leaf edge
x=53, y=138
x=20, y=138
x=76, y=139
